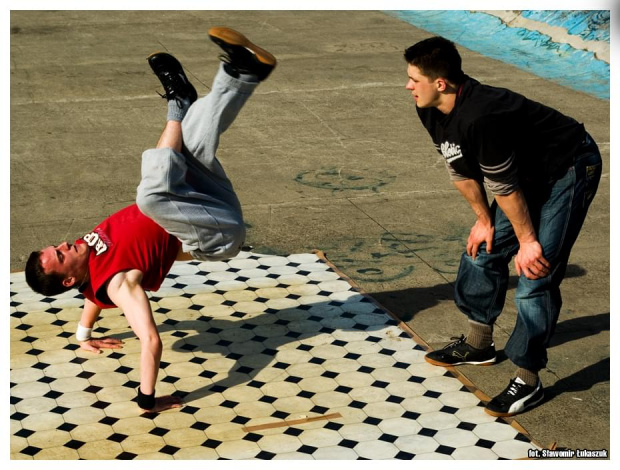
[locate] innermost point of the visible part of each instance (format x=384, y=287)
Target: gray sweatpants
x=188, y=193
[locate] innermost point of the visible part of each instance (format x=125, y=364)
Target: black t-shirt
x=501, y=137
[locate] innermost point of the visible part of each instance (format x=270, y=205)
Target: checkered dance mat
x=275, y=358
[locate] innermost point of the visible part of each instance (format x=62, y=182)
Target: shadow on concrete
x=405, y=304
x=577, y=328
x=584, y=379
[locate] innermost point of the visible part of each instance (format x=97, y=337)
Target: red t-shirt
x=127, y=240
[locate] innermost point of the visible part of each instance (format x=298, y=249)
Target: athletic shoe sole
x=229, y=37
x=488, y=362
x=226, y=36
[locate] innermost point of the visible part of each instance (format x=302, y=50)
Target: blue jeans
x=188, y=193
x=558, y=210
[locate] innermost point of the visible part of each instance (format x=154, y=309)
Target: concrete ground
x=328, y=155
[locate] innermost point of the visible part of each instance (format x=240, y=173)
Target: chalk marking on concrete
x=153, y=95
x=336, y=135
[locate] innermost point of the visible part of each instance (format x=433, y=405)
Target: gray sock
x=177, y=109
x=480, y=336
x=529, y=377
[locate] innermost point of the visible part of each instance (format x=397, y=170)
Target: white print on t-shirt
x=94, y=241
x=450, y=151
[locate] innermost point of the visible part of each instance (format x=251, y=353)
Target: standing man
x=186, y=208
x=543, y=170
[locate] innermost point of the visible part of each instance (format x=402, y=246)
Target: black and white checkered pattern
x=255, y=341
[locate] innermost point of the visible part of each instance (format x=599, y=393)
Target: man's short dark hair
x=44, y=283
x=436, y=57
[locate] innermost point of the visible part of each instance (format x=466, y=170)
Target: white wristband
x=83, y=334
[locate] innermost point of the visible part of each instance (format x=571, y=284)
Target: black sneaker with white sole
x=172, y=77
x=459, y=353
x=516, y=398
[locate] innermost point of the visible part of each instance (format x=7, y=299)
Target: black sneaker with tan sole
x=172, y=77
x=459, y=353
x=241, y=54
x=516, y=398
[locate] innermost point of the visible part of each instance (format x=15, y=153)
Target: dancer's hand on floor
x=95, y=345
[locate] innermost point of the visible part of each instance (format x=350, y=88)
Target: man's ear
x=68, y=281
x=442, y=85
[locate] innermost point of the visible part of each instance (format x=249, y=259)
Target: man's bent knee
x=223, y=254
x=146, y=202
x=234, y=238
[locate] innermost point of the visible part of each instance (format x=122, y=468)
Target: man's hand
x=483, y=230
x=530, y=261
x=480, y=233
x=165, y=403
x=95, y=345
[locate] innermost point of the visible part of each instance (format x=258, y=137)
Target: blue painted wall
x=590, y=25
x=527, y=49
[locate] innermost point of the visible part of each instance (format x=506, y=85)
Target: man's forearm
x=474, y=193
x=530, y=260
x=515, y=207
x=90, y=313
x=126, y=292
